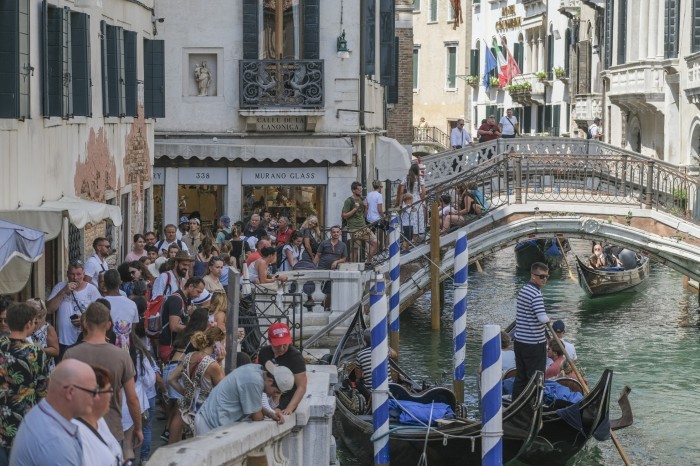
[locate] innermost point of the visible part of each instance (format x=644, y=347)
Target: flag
x=502, y=64
x=490, y=65
x=457, y=9
x=512, y=67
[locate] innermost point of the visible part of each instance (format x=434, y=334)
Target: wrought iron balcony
x=281, y=83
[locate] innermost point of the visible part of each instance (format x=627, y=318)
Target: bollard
x=394, y=276
x=459, y=327
x=380, y=371
x=491, y=392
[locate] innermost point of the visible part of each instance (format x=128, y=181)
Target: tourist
x=254, y=229
x=145, y=382
x=151, y=239
x=23, y=374
x=218, y=309
x=196, y=375
x=224, y=233
x=139, y=272
x=258, y=271
x=5, y=302
x=95, y=349
x=508, y=125
x=239, y=248
x=171, y=238
x=556, y=355
x=123, y=311
x=560, y=329
x=212, y=277
x=172, y=280
x=331, y=252
x=174, y=314
x=138, y=248
x=449, y=216
x=193, y=238
x=70, y=298
x=597, y=259
x=312, y=236
x=284, y=230
x=47, y=435
x=100, y=448
x=44, y=335
x=489, y=131
x=460, y=137
x=239, y=395
x=291, y=253
x=354, y=209
x=408, y=219
x=531, y=318
x=256, y=254
x=282, y=352
x=471, y=199
x=412, y=183
x=97, y=262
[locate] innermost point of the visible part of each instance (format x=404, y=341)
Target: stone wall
x=399, y=123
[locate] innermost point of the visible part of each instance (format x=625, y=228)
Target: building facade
x=76, y=124
x=289, y=112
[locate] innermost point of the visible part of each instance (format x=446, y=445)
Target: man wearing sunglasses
x=530, y=342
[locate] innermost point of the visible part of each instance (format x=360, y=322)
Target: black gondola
x=454, y=442
x=603, y=281
x=545, y=250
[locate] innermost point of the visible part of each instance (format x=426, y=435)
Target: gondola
x=545, y=250
x=454, y=442
x=557, y=441
x=608, y=280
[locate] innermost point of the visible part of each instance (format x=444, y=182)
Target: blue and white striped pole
x=459, y=327
x=491, y=406
x=380, y=371
x=394, y=268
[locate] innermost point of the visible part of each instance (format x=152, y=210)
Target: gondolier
x=530, y=341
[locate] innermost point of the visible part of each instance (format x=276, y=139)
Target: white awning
x=392, y=160
x=20, y=246
x=48, y=217
x=320, y=150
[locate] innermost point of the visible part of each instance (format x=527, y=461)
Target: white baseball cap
x=284, y=379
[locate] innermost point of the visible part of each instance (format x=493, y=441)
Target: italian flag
x=507, y=69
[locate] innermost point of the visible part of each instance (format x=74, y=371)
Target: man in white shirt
x=169, y=282
x=123, y=311
x=375, y=203
x=460, y=137
x=96, y=263
x=170, y=231
x=509, y=125
x=560, y=329
x=594, y=131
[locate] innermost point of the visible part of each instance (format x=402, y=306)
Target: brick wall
x=400, y=117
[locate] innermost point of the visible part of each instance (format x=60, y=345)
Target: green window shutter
x=547, y=126
x=105, y=69
x=369, y=36
x=386, y=42
x=695, y=27
x=130, y=73
x=112, y=72
x=45, y=75
x=451, y=67
x=518, y=54
x=556, y=120
x=416, y=54
x=14, y=56
x=474, y=62
x=567, y=50
x=25, y=69
x=539, y=126
x=80, y=64
x=671, y=24
x=250, y=29
x=310, y=29
x=416, y=5
x=121, y=75
x=154, y=78
x=622, y=32
x=433, y=10
x=527, y=119
x=56, y=73
x=550, y=57
x=66, y=71
x=392, y=96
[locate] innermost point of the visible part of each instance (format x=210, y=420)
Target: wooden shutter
x=368, y=23
x=386, y=42
x=416, y=57
x=550, y=56
x=474, y=62
x=527, y=120
x=671, y=24
x=392, y=96
x=556, y=120
x=609, y=32
x=695, y=27
x=622, y=32
x=80, y=64
x=433, y=10
x=14, y=55
x=250, y=29
x=105, y=69
x=121, y=75
x=311, y=29
x=583, y=85
x=66, y=71
x=539, y=126
x=131, y=98
x=567, y=51
x=154, y=78
x=518, y=54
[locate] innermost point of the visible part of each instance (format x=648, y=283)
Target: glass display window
x=294, y=202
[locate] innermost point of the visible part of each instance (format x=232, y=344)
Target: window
x=433, y=11
x=695, y=27
x=14, y=56
x=622, y=32
x=57, y=98
x=130, y=88
x=451, y=69
x=607, y=58
x=154, y=78
x=280, y=29
x=416, y=53
x=567, y=51
x=474, y=62
x=416, y=5
x=671, y=23
x=81, y=78
x=118, y=71
x=450, y=11
x=549, y=63
x=519, y=54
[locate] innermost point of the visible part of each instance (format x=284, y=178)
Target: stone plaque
x=280, y=124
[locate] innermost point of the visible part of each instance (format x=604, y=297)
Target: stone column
x=653, y=24
x=540, y=51
x=641, y=43
x=658, y=36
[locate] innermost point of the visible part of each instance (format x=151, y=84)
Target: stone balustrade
x=304, y=439
x=588, y=106
x=637, y=86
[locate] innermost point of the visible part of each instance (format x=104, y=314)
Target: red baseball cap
x=278, y=333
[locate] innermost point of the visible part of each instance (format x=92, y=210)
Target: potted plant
x=559, y=72
x=541, y=75
x=494, y=82
x=472, y=80
x=519, y=89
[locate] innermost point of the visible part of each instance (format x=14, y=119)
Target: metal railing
x=281, y=83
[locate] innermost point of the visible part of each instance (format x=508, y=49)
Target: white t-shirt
x=594, y=130
x=67, y=332
x=124, y=313
x=508, y=126
x=93, y=266
x=374, y=199
x=95, y=452
x=459, y=137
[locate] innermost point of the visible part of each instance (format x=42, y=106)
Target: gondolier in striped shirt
x=530, y=342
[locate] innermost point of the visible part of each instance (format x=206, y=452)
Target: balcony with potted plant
x=472, y=81
x=542, y=77
x=560, y=74
x=527, y=89
x=520, y=92
x=495, y=84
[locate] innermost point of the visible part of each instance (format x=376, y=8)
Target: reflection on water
x=649, y=336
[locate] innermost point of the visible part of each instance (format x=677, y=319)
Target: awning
x=19, y=248
x=320, y=150
x=48, y=217
x=392, y=160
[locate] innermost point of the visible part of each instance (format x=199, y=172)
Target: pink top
x=132, y=256
x=554, y=368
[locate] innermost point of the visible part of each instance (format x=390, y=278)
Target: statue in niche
x=202, y=77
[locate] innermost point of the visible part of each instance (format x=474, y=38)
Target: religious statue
x=202, y=77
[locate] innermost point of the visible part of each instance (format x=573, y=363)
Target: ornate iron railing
x=281, y=83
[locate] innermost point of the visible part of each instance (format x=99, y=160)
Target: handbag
x=246, y=288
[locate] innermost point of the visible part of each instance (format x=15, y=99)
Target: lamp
x=342, y=46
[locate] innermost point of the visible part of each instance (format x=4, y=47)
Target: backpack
x=160, y=244
x=227, y=236
x=152, y=321
x=281, y=256
x=588, y=133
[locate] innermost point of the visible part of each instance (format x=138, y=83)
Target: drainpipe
x=363, y=135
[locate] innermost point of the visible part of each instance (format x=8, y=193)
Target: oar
x=478, y=267
x=620, y=450
x=563, y=253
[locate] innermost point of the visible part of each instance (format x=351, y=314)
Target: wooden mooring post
x=435, y=299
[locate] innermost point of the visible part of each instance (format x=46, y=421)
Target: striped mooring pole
x=380, y=371
x=394, y=268
x=491, y=392
x=459, y=327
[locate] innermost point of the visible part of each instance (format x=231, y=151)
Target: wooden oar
x=563, y=253
x=586, y=390
x=478, y=267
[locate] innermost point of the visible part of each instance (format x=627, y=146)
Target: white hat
x=284, y=379
x=203, y=298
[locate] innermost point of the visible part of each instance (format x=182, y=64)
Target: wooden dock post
x=434, y=265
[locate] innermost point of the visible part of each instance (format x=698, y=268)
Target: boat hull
x=597, y=282
x=545, y=250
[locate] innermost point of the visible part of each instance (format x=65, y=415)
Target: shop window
x=294, y=202
x=205, y=199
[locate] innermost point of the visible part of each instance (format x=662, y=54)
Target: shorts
x=364, y=234
x=167, y=369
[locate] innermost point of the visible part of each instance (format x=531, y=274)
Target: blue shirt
x=45, y=437
x=238, y=395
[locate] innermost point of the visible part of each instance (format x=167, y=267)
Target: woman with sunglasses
x=100, y=448
x=44, y=335
x=212, y=278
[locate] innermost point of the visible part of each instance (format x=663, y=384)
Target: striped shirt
x=530, y=316
x=364, y=359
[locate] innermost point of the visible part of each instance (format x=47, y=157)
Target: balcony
x=637, y=86
x=527, y=89
x=570, y=8
x=588, y=107
x=265, y=84
x=692, y=89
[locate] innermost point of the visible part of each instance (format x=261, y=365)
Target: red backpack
x=152, y=320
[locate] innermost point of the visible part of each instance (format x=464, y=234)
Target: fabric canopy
x=19, y=248
x=392, y=160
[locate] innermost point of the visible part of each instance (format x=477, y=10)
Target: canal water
x=650, y=337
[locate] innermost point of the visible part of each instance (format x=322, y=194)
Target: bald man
x=46, y=435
